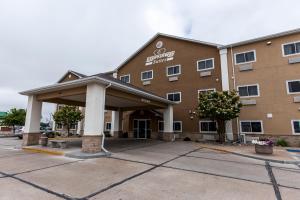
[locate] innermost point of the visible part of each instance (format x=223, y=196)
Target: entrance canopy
x=118, y=95
x=95, y=93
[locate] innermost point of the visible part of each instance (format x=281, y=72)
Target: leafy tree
x=15, y=117
x=67, y=116
x=219, y=107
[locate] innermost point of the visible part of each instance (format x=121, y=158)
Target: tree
x=67, y=116
x=219, y=107
x=15, y=117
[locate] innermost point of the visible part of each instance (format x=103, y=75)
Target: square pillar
x=94, y=118
x=80, y=123
x=116, y=124
x=168, y=134
x=32, y=132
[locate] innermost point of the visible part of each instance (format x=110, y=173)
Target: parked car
x=19, y=132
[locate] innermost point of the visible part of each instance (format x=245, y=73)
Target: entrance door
x=141, y=128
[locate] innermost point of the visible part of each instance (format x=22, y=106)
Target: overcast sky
x=41, y=39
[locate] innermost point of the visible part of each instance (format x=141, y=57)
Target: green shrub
x=282, y=142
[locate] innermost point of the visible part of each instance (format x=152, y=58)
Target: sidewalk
x=280, y=154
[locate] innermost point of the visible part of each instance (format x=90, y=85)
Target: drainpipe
x=103, y=136
x=234, y=86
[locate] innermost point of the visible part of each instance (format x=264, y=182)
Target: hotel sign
x=160, y=55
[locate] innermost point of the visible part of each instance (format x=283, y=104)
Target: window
x=59, y=107
x=177, y=126
x=248, y=90
x=59, y=126
x=108, y=126
x=291, y=48
x=125, y=78
x=174, y=70
x=146, y=75
x=160, y=126
x=208, y=127
x=204, y=91
x=73, y=126
x=176, y=96
x=205, y=64
x=245, y=57
x=296, y=126
x=251, y=126
x=293, y=86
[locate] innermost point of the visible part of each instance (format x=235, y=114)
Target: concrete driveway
x=144, y=169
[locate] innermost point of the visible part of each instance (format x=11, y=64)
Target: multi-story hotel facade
x=265, y=71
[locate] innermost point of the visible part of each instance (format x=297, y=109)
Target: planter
x=44, y=141
x=263, y=149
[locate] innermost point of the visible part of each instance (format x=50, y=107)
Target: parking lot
x=144, y=169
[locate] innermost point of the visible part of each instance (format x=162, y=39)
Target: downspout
x=103, y=136
x=234, y=87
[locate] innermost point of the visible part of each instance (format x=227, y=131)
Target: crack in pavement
x=273, y=181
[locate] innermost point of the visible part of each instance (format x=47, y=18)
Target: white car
x=19, y=132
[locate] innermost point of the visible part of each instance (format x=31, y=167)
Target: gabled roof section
x=258, y=39
x=169, y=36
x=78, y=75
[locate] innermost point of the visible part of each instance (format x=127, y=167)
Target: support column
x=226, y=87
x=94, y=118
x=80, y=123
x=116, y=124
x=168, y=134
x=32, y=133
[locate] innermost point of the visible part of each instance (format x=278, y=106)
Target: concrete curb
x=44, y=151
x=255, y=157
x=81, y=155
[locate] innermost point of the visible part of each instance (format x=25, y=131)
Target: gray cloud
x=41, y=39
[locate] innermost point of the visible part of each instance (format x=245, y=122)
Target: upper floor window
x=205, y=91
x=291, y=48
x=173, y=70
x=245, y=57
x=125, y=78
x=293, y=86
x=248, y=90
x=296, y=126
x=251, y=126
x=147, y=75
x=205, y=64
x=208, y=127
x=175, y=96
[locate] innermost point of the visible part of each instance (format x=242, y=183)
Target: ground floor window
x=177, y=126
x=108, y=126
x=73, y=126
x=296, y=126
x=251, y=126
x=59, y=126
x=208, y=127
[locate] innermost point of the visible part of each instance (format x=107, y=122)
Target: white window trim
x=204, y=90
x=245, y=52
x=292, y=123
x=175, y=93
x=158, y=126
x=201, y=121
x=262, y=126
x=146, y=78
x=173, y=74
x=180, y=126
x=57, y=128
x=106, y=126
x=206, y=69
x=287, y=87
x=282, y=49
x=258, y=90
x=73, y=128
x=124, y=76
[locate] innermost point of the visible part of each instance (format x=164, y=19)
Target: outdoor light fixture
x=269, y=43
x=192, y=114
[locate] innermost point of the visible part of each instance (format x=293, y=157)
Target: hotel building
x=154, y=92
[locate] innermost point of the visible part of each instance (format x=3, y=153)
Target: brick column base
x=168, y=136
x=91, y=143
x=31, y=139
